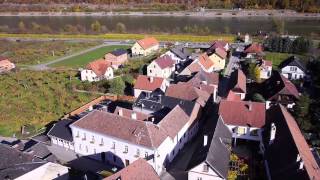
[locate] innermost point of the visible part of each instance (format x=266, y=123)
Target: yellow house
x=219, y=59
x=145, y=47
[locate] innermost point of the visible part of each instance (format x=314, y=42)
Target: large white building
x=145, y=47
x=148, y=84
x=163, y=67
x=292, y=68
x=96, y=71
x=121, y=140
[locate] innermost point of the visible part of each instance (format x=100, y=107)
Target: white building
x=244, y=118
x=121, y=140
x=148, y=84
x=163, y=67
x=96, y=71
x=265, y=69
x=60, y=134
x=145, y=47
x=179, y=54
x=292, y=68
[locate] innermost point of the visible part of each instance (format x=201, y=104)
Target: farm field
x=82, y=60
x=35, y=98
x=36, y=52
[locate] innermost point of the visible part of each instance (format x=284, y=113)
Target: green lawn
x=82, y=60
x=276, y=58
x=36, y=98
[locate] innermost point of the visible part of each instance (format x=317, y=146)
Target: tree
x=96, y=26
x=301, y=112
x=258, y=97
x=120, y=27
x=254, y=72
x=22, y=27
x=117, y=86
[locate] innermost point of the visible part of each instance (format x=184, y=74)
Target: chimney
x=205, y=140
x=134, y=115
x=272, y=133
x=151, y=79
x=120, y=112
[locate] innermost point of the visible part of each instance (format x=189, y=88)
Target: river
x=174, y=24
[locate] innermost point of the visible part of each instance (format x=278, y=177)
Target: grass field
x=160, y=37
x=29, y=53
x=276, y=58
x=36, y=98
x=82, y=60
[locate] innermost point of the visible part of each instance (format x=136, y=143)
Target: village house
x=253, y=50
x=292, y=68
x=218, y=58
x=119, y=140
x=279, y=90
x=244, y=118
x=145, y=47
x=287, y=155
x=190, y=70
x=265, y=68
x=96, y=71
x=238, y=83
x=219, y=44
x=117, y=58
x=179, y=54
x=205, y=62
x=211, y=157
x=148, y=84
x=60, y=134
x=6, y=65
x=163, y=67
x=138, y=170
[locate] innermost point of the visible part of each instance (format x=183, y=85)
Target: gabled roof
x=293, y=61
x=62, y=130
x=218, y=44
x=137, y=132
x=282, y=153
x=254, y=48
x=99, y=67
x=215, y=154
x=188, y=92
x=148, y=83
x=128, y=113
x=164, y=62
x=238, y=81
x=194, y=67
x=139, y=170
x=181, y=52
x=279, y=85
x=233, y=96
x=221, y=53
x=148, y=42
x=205, y=62
x=118, y=52
x=243, y=113
x=205, y=81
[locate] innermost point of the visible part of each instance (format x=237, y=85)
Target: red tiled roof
x=194, y=67
x=254, y=48
x=240, y=81
x=218, y=44
x=289, y=87
x=165, y=62
x=188, y=92
x=148, y=42
x=310, y=163
x=99, y=67
x=205, y=61
x=144, y=83
x=135, y=131
x=233, y=97
x=221, y=52
x=138, y=170
x=239, y=113
x=128, y=113
x=205, y=81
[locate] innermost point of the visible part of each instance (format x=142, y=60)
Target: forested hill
x=299, y=5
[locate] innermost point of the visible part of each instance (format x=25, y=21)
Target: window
x=87, y=149
x=205, y=168
x=293, y=68
x=138, y=153
x=101, y=143
x=254, y=132
x=241, y=130
x=199, y=178
x=78, y=134
x=125, y=149
x=92, y=140
x=146, y=154
x=84, y=137
x=113, y=145
x=80, y=147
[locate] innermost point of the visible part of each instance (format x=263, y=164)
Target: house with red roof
x=238, y=83
x=138, y=170
x=96, y=71
x=218, y=58
x=163, y=67
x=145, y=47
x=244, y=118
x=287, y=154
x=148, y=84
x=205, y=62
x=117, y=57
x=253, y=50
x=6, y=64
x=220, y=44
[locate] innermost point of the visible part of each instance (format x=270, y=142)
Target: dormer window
x=125, y=149
x=205, y=168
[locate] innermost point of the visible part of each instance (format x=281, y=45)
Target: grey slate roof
x=216, y=155
x=119, y=52
x=39, y=150
x=293, y=61
x=61, y=130
x=181, y=52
